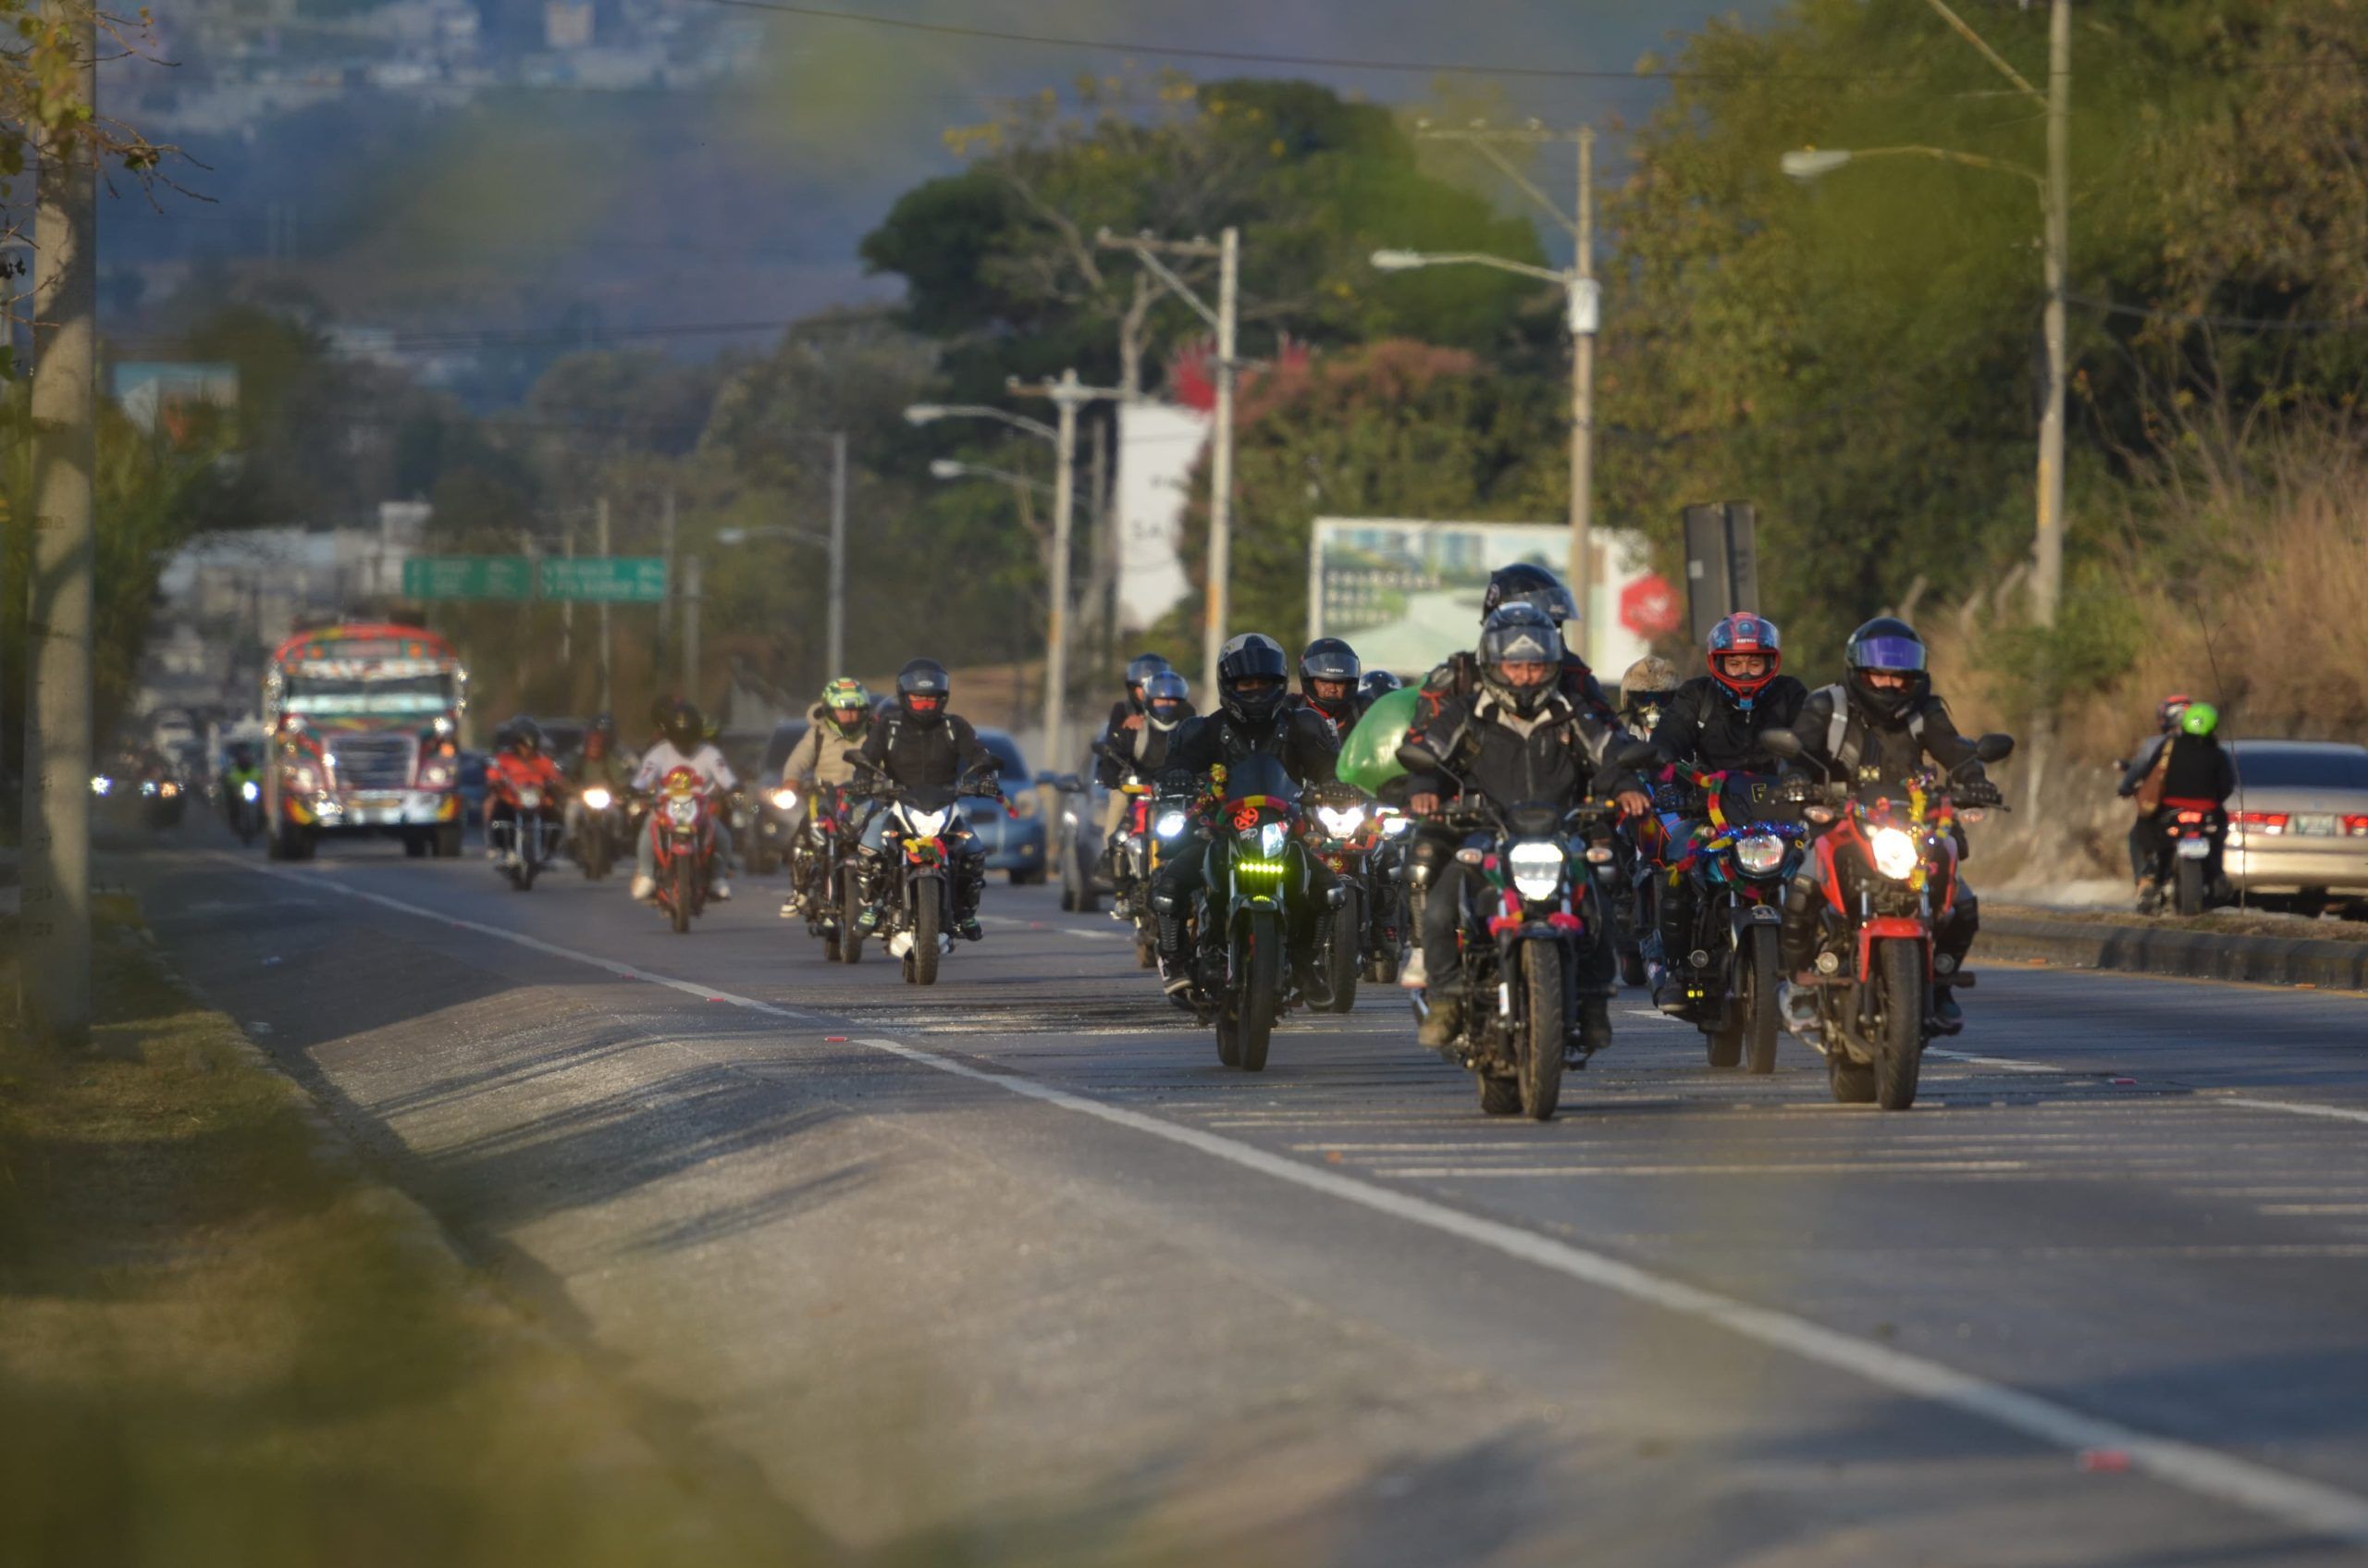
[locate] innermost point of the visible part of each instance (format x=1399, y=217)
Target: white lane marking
x=2315, y=1208
x=2299, y=1108
x=2003, y=1064
x=2206, y=1472
x=1858, y=1168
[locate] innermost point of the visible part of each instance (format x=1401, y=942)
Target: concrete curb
x=2258, y=960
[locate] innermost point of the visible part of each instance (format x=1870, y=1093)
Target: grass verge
x=222, y=1342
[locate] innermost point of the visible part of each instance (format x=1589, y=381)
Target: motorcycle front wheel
x=928, y=911
x=1900, y=1056
x=850, y=917
x=686, y=873
x=1257, y=993
x=1541, y=1066
x=1345, y=960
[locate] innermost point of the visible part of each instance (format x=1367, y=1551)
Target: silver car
x=2298, y=824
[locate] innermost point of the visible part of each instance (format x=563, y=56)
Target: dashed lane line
x=2202, y=1471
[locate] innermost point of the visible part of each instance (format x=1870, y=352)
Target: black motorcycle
x=1741, y=843
x=824, y=871
x=1343, y=835
x=1258, y=880
x=909, y=881
x=600, y=829
x=1531, y=921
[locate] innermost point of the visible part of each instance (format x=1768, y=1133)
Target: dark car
x=1015, y=839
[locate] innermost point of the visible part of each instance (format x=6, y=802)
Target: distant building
x=567, y=24
x=1159, y=444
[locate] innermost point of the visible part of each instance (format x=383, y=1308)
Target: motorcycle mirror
x=1994, y=747
x=1417, y=758
x=1782, y=744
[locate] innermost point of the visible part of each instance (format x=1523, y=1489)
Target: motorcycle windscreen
x=1259, y=774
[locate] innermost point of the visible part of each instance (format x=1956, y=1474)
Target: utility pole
x=600, y=523
x=2047, y=579
x=1068, y=394
x=56, y=993
x=1225, y=321
x=567, y=624
x=691, y=594
x=836, y=653
x=666, y=605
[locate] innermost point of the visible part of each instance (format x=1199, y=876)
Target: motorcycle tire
x=686, y=876
x=850, y=919
x=1500, y=1096
x=1344, y=962
x=1228, y=1035
x=2190, y=887
x=1261, y=990
x=1757, y=1001
x=1900, y=1054
x=1541, y=1068
x=921, y=963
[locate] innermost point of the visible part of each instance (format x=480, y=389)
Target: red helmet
x=2167, y=714
x=1746, y=632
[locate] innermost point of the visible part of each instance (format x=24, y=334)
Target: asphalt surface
x=1013, y=1270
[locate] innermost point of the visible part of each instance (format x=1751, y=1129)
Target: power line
x=1258, y=58
x=2240, y=323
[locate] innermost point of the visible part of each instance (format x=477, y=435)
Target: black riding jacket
x=2199, y=770
x=1704, y=725
x=1879, y=751
x=1459, y=678
x=927, y=759
x=1303, y=741
x=1558, y=756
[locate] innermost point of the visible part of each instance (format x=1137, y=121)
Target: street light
x=930, y=413
x=954, y=468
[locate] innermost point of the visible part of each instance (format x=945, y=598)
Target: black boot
x=1595, y=1030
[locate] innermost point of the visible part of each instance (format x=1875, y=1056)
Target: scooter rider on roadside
x=596, y=766
x=1251, y=718
x=683, y=743
x=1872, y=731
x=520, y=764
x=925, y=751
x=2197, y=774
x=1520, y=739
x=843, y=719
x=1328, y=673
x=1713, y=725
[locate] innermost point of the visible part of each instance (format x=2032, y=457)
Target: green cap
x=2199, y=718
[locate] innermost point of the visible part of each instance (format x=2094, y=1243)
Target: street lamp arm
x=770, y=531
x=1474, y=259
x=1807, y=165
x=923, y=414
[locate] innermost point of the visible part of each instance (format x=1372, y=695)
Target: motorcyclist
x=2197, y=774
x=1713, y=725
x=1142, y=748
x=843, y=719
x=1645, y=694
x=521, y=764
x=1253, y=677
x=683, y=743
x=1126, y=717
x=1522, y=583
x=1376, y=685
x=595, y=766
x=1872, y=731
x=241, y=767
x=1328, y=673
x=925, y=750
x=2143, y=842
x=1520, y=739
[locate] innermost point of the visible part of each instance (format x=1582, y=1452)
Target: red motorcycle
x=1890, y=869
x=681, y=835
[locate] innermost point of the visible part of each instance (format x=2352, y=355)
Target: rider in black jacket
x=1328, y=673
x=1713, y=725
x=925, y=751
x=1872, y=731
x=1517, y=740
x=1522, y=584
x=1253, y=679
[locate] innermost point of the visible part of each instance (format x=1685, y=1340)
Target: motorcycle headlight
x=148, y=786
x=1170, y=824
x=1761, y=854
x=169, y=789
x=1272, y=836
x=784, y=799
x=101, y=784
x=250, y=790
x=684, y=810
x=927, y=824
x=1895, y=854
x=530, y=798
x=1538, y=870
x=1342, y=823
x=598, y=799
x=1392, y=824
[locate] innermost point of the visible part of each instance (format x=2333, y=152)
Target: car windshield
x=2295, y=767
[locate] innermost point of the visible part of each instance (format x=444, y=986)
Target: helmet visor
x=1891, y=653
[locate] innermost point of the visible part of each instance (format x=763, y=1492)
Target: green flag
x=1369, y=755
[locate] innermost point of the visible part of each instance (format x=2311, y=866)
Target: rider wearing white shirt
x=683, y=744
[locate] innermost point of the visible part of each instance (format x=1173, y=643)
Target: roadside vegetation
x=222, y=1343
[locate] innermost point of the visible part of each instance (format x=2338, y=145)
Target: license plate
x=2315, y=825
x=2195, y=848
x=378, y=802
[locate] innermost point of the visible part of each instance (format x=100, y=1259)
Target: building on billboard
x=1159, y=444
x=1407, y=592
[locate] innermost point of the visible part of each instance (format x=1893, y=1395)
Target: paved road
x=1013, y=1268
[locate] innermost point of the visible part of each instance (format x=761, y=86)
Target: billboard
x=1407, y=592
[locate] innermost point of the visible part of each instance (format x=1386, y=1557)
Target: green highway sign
x=614, y=579
x=468, y=577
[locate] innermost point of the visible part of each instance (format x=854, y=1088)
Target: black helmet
x=1329, y=659
x=1377, y=682
x=523, y=732
x=1252, y=658
x=1888, y=644
x=1520, y=633
x=924, y=688
x=1166, y=696
x=602, y=724
x=684, y=727
x=1140, y=669
x=1523, y=582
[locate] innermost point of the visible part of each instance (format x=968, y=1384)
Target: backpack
x=1846, y=737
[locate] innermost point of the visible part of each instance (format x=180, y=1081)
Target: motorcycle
x=1343, y=835
x=598, y=833
x=2194, y=831
x=1238, y=928
x=1741, y=842
x=910, y=878
x=1890, y=875
x=243, y=804
x=1530, y=922
x=1132, y=862
x=682, y=838
x=822, y=868
x=529, y=835
x=1390, y=923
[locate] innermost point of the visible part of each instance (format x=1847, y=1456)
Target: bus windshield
x=392, y=695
